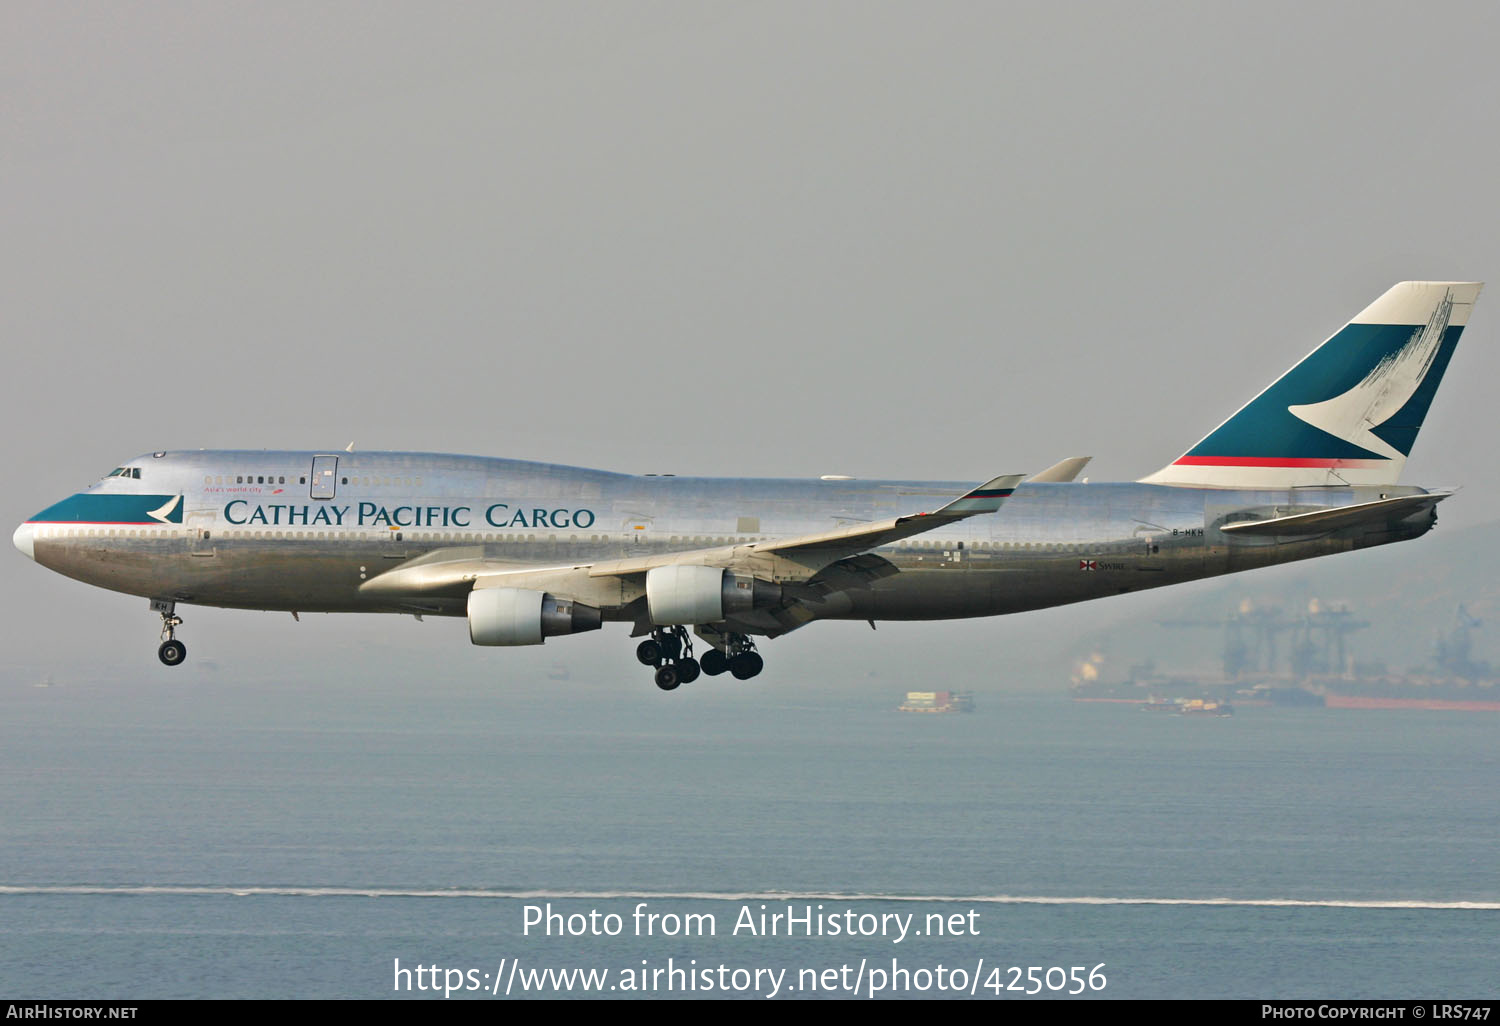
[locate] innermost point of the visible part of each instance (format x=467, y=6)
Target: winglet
x=987, y=498
x=1062, y=470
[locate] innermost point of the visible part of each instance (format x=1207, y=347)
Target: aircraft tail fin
x=1349, y=413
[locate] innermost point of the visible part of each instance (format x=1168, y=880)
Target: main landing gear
x=670, y=650
x=171, y=652
x=742, y=661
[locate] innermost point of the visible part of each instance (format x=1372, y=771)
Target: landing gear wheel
x=714, y=662
x=746, y=665
x=666, y=678
x=648, y=652
x=688, y=670
x=172, y=653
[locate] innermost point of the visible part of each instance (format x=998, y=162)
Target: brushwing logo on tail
x=1388, y=387
x=1349, y=412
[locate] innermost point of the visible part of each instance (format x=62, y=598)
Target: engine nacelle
x=703, y=594
x=516, y=616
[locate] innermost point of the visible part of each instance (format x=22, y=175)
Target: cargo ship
x=1204, y=707
x=1318, y=670
x=1434, y=694
x=937, y=702
x=1186, y=706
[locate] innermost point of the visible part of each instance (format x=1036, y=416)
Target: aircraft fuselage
x=310, y=531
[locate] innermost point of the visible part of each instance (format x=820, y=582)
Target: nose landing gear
x=171, y=651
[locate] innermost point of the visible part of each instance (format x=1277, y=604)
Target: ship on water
x=1270, y=657
x=937, y=702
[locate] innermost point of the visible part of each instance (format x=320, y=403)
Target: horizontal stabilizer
x=1381, y=511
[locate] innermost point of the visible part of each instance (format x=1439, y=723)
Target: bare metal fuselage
x=252, y=534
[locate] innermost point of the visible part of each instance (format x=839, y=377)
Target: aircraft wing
x=453, y=573
x=1381, y=511
x=825, y=547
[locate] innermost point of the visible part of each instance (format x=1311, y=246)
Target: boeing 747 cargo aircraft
x=530, y=551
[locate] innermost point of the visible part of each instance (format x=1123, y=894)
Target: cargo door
x=1149, y=539
x=201, y=534
x=324, y=482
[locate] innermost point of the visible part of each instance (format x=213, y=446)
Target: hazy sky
x=889, y=240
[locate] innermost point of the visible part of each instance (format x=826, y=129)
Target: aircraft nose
x=22, y=539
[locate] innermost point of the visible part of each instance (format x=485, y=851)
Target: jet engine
x=516, y=616
x=703, y=594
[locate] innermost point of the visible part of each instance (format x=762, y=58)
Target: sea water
x=314, y=837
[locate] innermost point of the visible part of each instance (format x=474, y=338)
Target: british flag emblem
x=1088, y=564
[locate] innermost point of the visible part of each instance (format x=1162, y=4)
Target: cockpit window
x=130, y=472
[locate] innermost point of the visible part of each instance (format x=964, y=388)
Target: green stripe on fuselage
x=85, y=508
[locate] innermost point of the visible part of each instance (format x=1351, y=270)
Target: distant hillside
x=1409, y=593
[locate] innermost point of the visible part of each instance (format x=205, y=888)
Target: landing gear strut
x=171, y=652
x=670, y=650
